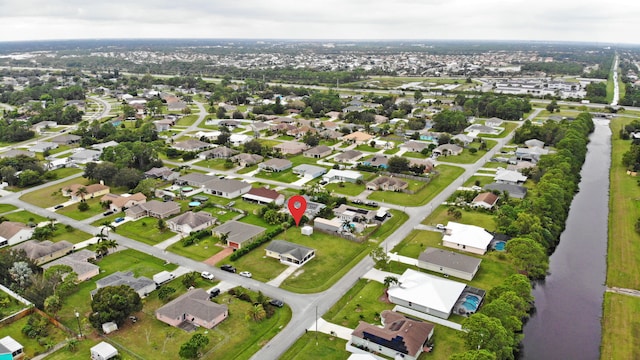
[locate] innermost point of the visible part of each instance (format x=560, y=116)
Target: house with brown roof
x=246, y=159
x=264, y=196
x=153, y=208
x=449, y=263
x=485, y=200
x=349, y=156
x=291, y=147
x=387, y=183
x=400, y=337
x=195, y=179
x=160, y=173
x=414, y=146
x=238, y=233
x=193, y=307
x=44, y=251
x=318, y=152
x=191, y=221
x=125, y=201
x=275, y=165
x=191, y=145
x=448, y=149
x=12, y=233
x=226, y=188
x=93, y=190
x=357, y=138
x=79, y=263
x=66, y=139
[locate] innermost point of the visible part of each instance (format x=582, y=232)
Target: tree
x=114, y=303
x=165, y=292
x=398, y=164
x=147, y=187
x=450, y=121
x=53, y=304
x=190, y=349
x=480, y=354
x=81, y=193
x=256, y=313
x=83, y=206
x=380, y=257
x=483, y=332
x=253, y=147
x=528, y=256
x=390, y=280
x=189, y=279
x=162, y=225
x=21, y=273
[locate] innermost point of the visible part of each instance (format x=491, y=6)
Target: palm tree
x=106, y=225
x=256, y=313
x=81, y=192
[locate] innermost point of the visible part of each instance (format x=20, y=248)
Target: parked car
x=107, y=213
x=119, y=220
x=372, y=203
x=58, y=206
x=207, y=275
x=476, y=188
x=276, y=302
x=323, y=182
x=228, y=268
x=213, y=293
x=245, y=274
x=356, y=201
x=440, y=227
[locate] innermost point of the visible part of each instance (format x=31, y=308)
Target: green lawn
x=361, y=303
x=467, y=157
x=24, y=217
x=73, y=212
x=187, y=120
x=50, y=196
x=70, y=234
x=345, y=188
x=446, y=343
x=508, y=128
x=366, y=148
x=482, y=180
x=216, y=164
x=447, y=175
x=247, y=169
x=392, y=151
x=268, y=142
x=470, y=217
x=64, y=172
x=262, y=268
x=313, y=345
x=286, y=176
x=388, y=227
x=200, y=251
x=31, y=346
x=144, y=230
x=6, y=208
x=620, y=326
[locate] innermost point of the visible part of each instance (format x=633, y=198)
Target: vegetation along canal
x=566, y=323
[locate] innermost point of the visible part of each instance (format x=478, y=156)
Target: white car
x=207, y=275
x=245, y=274
x=440, y=227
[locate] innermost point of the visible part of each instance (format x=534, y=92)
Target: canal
x=566, y=322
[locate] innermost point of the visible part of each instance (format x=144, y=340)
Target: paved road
x=202, y=113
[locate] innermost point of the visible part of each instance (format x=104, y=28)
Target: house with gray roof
x=221, y=152
x=153, y=208
x=227, y=188
x=275, y=165
x=514, y=191
x=289, y=253
x=191, y=221
x=318, y=152
x=84, y=156
x=504, y=176
x=246, y=159
x=43, y=146
x=105, y=145
x=79, y=263
x=238, y=233
x=17, y=152
x=414, y=146
x=142, y=285
x=193, y=307
x=191, y=145
x=309, y=171
x=349, y=156
x=44, y=251
x=66, y=139
x=195, y=179
x=449, y=263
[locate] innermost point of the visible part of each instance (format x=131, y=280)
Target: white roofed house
x=10, y=348
x=509, y=177
x=469, y=238
x=84, y=156
x=309, y=171
x=239, y=139
x=43, y=146
x=342, y=175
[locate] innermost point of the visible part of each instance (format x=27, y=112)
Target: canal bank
x=566, y=323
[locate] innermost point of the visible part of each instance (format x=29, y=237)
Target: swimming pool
x=194, y=203
x=499, y=245
x=471, y=303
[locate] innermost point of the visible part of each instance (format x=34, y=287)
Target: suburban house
x=17, y=152
x=399, y=338
x=142, y=285
x=358, y=138
x=327, y=225
x=164, y=124
x=10, y=348
x=239, y=139
x=209, y=135
x=414, y=146
x=275, y=165
x=195, y=179
x=447, y=149
x=43, y=146
x=103, y=351
x=313, y=208
x=153, y=208
x=191, y=145
x=342, y=175
x=12, y=233
x=264, y=196
x=386, y=183
x=463, y=139
x=84, y=156
x=485, y=200
x=91, y=191
x=514, y=191
x=482, y=129
x=221, y=152
x=345, y=212
x=66, y=139
x=291, y=148
x=289, y=253
x=449, y=263
x=191, y=221
x=349, y=156
x=163, y=173
x=426, y=293
x=102, y=146
x=44, y=251
x=378, y=161
x=493, y=122
x=318, y=152
x=43, y=126
x=534, y=143
x=246, y=159
x=532, y=154
x=427, y=163
x=504, y=176
x=238, y=233
x=193, y=307
x=79, y=263
x=124, y=201
x=469, y=238
x=309, y=171
x=226, y=188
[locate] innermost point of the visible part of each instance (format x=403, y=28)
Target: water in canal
x=566, y=323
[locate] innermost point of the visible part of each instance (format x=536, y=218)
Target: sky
x=546, y=20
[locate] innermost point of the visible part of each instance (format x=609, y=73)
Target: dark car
x=107, y=213
x=213, y=293
x=276, y=302
x=118, y=220
x=228, y=268
x=372, y=203
x=58, y=206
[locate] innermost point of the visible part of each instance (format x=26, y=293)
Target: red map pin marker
x=297, y=206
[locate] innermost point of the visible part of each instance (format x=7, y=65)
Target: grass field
x=187, y=120
x=73, y=212
x=144, y=230
x=345, y=188
x=50, y=196
x=200, y=251
x=361, y=303
x=313, y=345
x=433, y=188
x=6, y=208
x=31, y=346
x=24, y=217
x=620, y=327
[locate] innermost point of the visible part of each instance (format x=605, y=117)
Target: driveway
x=219, y=256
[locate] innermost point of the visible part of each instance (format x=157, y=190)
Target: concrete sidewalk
x=170, y=241
x=331, y=329
x=378, y=275
x=283, y=276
